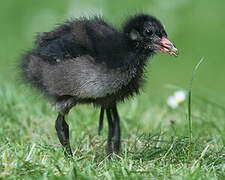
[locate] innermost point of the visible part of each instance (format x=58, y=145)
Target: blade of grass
x=189, y=108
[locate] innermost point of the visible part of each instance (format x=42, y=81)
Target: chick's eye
x=148, y=32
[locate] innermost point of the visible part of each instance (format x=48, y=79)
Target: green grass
x=190, y=107
x=155, y=140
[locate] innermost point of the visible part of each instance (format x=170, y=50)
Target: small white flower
x=177, y=99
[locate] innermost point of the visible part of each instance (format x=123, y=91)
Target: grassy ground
x=154, y=140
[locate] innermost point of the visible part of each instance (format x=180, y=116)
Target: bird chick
x=89, y=61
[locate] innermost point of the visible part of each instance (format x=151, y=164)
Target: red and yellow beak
x=167, y=47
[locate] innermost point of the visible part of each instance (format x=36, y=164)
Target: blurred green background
x=195, y=27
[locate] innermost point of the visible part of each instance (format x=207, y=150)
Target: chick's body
x=86, y=59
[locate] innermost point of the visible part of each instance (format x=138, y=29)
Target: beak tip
x=168, y=47
x=175, y=52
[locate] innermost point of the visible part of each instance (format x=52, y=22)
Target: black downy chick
x=89, y=61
